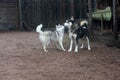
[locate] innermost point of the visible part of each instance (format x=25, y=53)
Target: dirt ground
x=22, y=58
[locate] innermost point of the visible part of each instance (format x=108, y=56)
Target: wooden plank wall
x=8, y=13
x=34, y=12
x=48, y=12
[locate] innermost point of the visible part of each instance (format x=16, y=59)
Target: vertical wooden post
x=80, y=11
x=95, y=5
x=115, y=26
x=90, y=15
x=72, y=8
x=61, y=10
x=101, y=24
x=20, y=15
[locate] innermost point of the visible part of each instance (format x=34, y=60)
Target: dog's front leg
x=44, y=47
x=88, y=42
x=71, y=43
x=61, y=45
x=58, y=46
x=76, y=44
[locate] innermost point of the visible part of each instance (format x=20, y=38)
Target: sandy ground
x=22, y=58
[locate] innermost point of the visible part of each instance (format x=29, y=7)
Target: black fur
x=82, y=31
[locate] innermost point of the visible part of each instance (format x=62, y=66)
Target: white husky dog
x=47, y=36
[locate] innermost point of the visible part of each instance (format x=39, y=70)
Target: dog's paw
x=76, y=51
x=69, y=50
x=89, y=49
x=64, y=49
x=46, y=51
x=81, y=47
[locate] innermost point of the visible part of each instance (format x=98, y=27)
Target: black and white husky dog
x=48, y=36
x=77, y=33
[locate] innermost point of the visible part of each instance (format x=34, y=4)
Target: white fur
x=68, y=25
x=46, y=37
x=83, y=22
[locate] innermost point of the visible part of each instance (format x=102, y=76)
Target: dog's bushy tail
x=83, y=23
x=38, y=29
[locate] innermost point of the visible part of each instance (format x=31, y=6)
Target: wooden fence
x=50, y=12
x=33, y=12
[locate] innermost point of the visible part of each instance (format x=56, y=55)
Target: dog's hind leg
x=88, y=42
x=45, y=44
x=82, y=44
